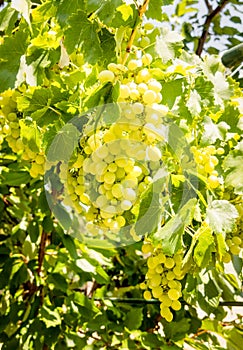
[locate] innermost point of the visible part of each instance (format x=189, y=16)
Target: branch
x=208, y=21
x=209, y=6
x=41, y=252
x=141, y=10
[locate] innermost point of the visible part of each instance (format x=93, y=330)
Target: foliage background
x=48, y=73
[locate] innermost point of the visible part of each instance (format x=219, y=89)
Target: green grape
x=173, y=294
x=157, y=292
x=155, y=281
x=213, y=181
x=149, y=97
x=154, y=85
x=106, y=76
x=134, y=64
x=234, y=249
x=169, y=263
x=176, y=305
x=147, y=59
x=147, y=248
x=124, y=91
x=148, y=26
x=147, y=295
x=126, y=204
x=236, y=240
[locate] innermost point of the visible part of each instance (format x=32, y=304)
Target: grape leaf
x=134, y=318
x=203, y=247
x=171, y=90
x=30, y=134
x=150, y=209
x=8, y=17
x=65, y=9
x=64, y=143
x=108, y=46
x=76, y=36
x=154, y=10
x=211, y=132
x=221, y=216
x=171, y=233
x=168, y=44
x=234, y=167
x=10, y=53
x=15, y=178
x=126, y=11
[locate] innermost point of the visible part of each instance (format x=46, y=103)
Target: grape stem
x=141, y=10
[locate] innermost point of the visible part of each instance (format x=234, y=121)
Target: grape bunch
x=206, y=160
x=112, y=168
x=162, y=280
x=234, y=239
x=11, y=132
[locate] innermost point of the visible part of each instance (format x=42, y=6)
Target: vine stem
x=141, y=10
x=211, y=14
x=41, y=252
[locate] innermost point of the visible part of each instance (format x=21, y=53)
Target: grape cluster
x=11, y=132
x=137, y=81
x=112, y=168
x=163, y=279
x=207, y=161
x=234, y=240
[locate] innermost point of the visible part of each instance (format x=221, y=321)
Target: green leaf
x=47, y=224
x=134, y=318
x=108, y=45
x=233, y=165
x=203, y=248
x=221, y=216
x=154, y=10
x=50, y=317
x=82, y=300
x=150, y=209
x=10, y=53
x=15, y=177
x=126, y=11
x=58, y=281
x=30, y=134
x=85, y=265
x=76, y=36
x=171, y=90
x=70, y=246
x=220, y=245
x=8, y=17
x=18, y=278
x=6, y=273
x=211, y=132
x=178, y=329
x=168, y=45
x=38, y=101
x=64, y=143
x=66, y=9
x=170, y=235
x=63, y=217
x=230, y=116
